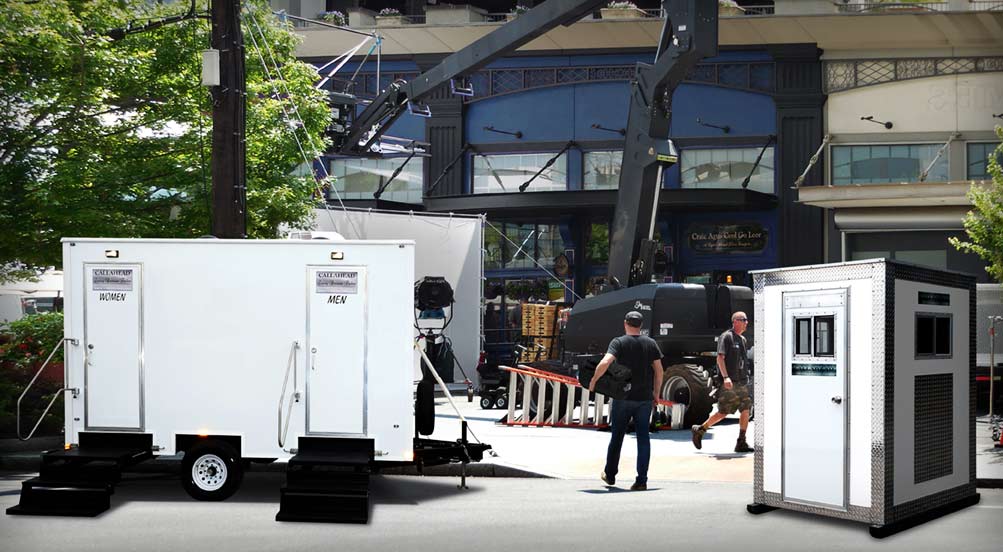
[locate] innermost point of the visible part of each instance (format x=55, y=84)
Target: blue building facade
x=744, y=122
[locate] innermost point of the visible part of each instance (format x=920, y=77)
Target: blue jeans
x=621, y=412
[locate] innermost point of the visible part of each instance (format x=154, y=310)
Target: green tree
x=109, y=135
x=984, y=223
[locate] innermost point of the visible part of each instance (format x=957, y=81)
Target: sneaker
x=742, y=446
x=609, y=480
x=639, y=487
x=698, y=433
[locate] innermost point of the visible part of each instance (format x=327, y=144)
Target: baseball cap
x=634, y=319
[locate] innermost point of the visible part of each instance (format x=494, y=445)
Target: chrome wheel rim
x=209, y=472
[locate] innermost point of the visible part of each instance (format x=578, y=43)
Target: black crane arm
x=689, y=34
x=392, y=102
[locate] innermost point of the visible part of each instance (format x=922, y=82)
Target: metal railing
x=983, y=5
x=870, y=7
x=54, y=395
x=291, y=364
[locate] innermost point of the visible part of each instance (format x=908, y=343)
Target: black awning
x=598, y=201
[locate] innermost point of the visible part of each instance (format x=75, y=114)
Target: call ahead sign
x=727, y=238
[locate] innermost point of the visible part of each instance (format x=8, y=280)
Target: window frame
x=950, y=342
x=750, y=147
x=830, y=166
x=549, y=154
x=968, y=159
x=387, y=194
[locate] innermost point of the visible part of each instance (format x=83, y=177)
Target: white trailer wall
x=446, y=245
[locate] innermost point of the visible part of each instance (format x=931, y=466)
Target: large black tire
x=211, y=470
x=424, y=408
x=691, y=385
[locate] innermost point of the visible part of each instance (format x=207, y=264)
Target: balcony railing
x=871, y=7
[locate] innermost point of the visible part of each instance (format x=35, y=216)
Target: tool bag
x=615, y=383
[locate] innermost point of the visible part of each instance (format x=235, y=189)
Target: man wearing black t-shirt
x=640, y=353
x=732, y=361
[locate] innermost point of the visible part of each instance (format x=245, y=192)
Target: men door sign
x=727, y=238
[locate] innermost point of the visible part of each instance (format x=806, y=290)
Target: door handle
x=837, y=400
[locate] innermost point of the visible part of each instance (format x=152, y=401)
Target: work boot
x=742, y=446
x=639, y=486
x=607, y=479
x=698, y=433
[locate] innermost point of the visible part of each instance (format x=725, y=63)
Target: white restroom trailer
x=864, y=392
x=240, y=350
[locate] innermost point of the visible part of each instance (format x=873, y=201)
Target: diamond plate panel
x=955, y=65
x=874, y=72
x=735, y=75
x=623, y=72
x=506, y=80
x=572, y=74
x=839, y=75
x=874, y=271
x=703, y=73
x=989, y=64
x=540, y=77
x=915, y=68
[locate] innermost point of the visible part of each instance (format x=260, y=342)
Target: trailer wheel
x=211, y=470
x=502, y=401
x=689, y=384
x=486, y=402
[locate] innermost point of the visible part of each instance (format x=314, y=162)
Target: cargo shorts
x=735, y=399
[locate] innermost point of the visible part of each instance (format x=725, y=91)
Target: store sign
x=562, y=267
x=727, y=238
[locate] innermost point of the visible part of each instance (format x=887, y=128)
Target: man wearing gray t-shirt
x=732, y=360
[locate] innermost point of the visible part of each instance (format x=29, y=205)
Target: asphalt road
x=152, y=512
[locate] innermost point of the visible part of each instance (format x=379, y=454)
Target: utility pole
x=229, y=191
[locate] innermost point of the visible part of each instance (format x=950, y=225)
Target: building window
x=933, y=335
x=727, y=168
x=357, y=178
x=597, y=248
x=525, y=244
x=602, y=170
x=978, y=161
x=505, y=173
x=878, y=164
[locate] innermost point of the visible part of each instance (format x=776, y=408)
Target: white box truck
x=232, y=351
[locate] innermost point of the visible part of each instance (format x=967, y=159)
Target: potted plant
x=621, y=10
x=333, y=17
x=729, y=7
x=390, y=17
x=516, y=12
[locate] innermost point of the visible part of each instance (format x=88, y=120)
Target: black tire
x=424, y=408
x=487, y=402
x=502, y=401
x=211, y=470
x=691, y=385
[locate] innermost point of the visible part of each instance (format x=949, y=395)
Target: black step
x=124, y=457
x=327, y=507
x=62, y=498
x=333, y=451
x=103, y=472
x=300, y=479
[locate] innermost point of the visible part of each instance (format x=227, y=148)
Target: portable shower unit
x=235, y=351
x=865, y=397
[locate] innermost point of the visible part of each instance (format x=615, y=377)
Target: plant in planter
x=390, y=17
x=621, y=10
x=333, y=17
x=729, y=7
x=516, y=12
